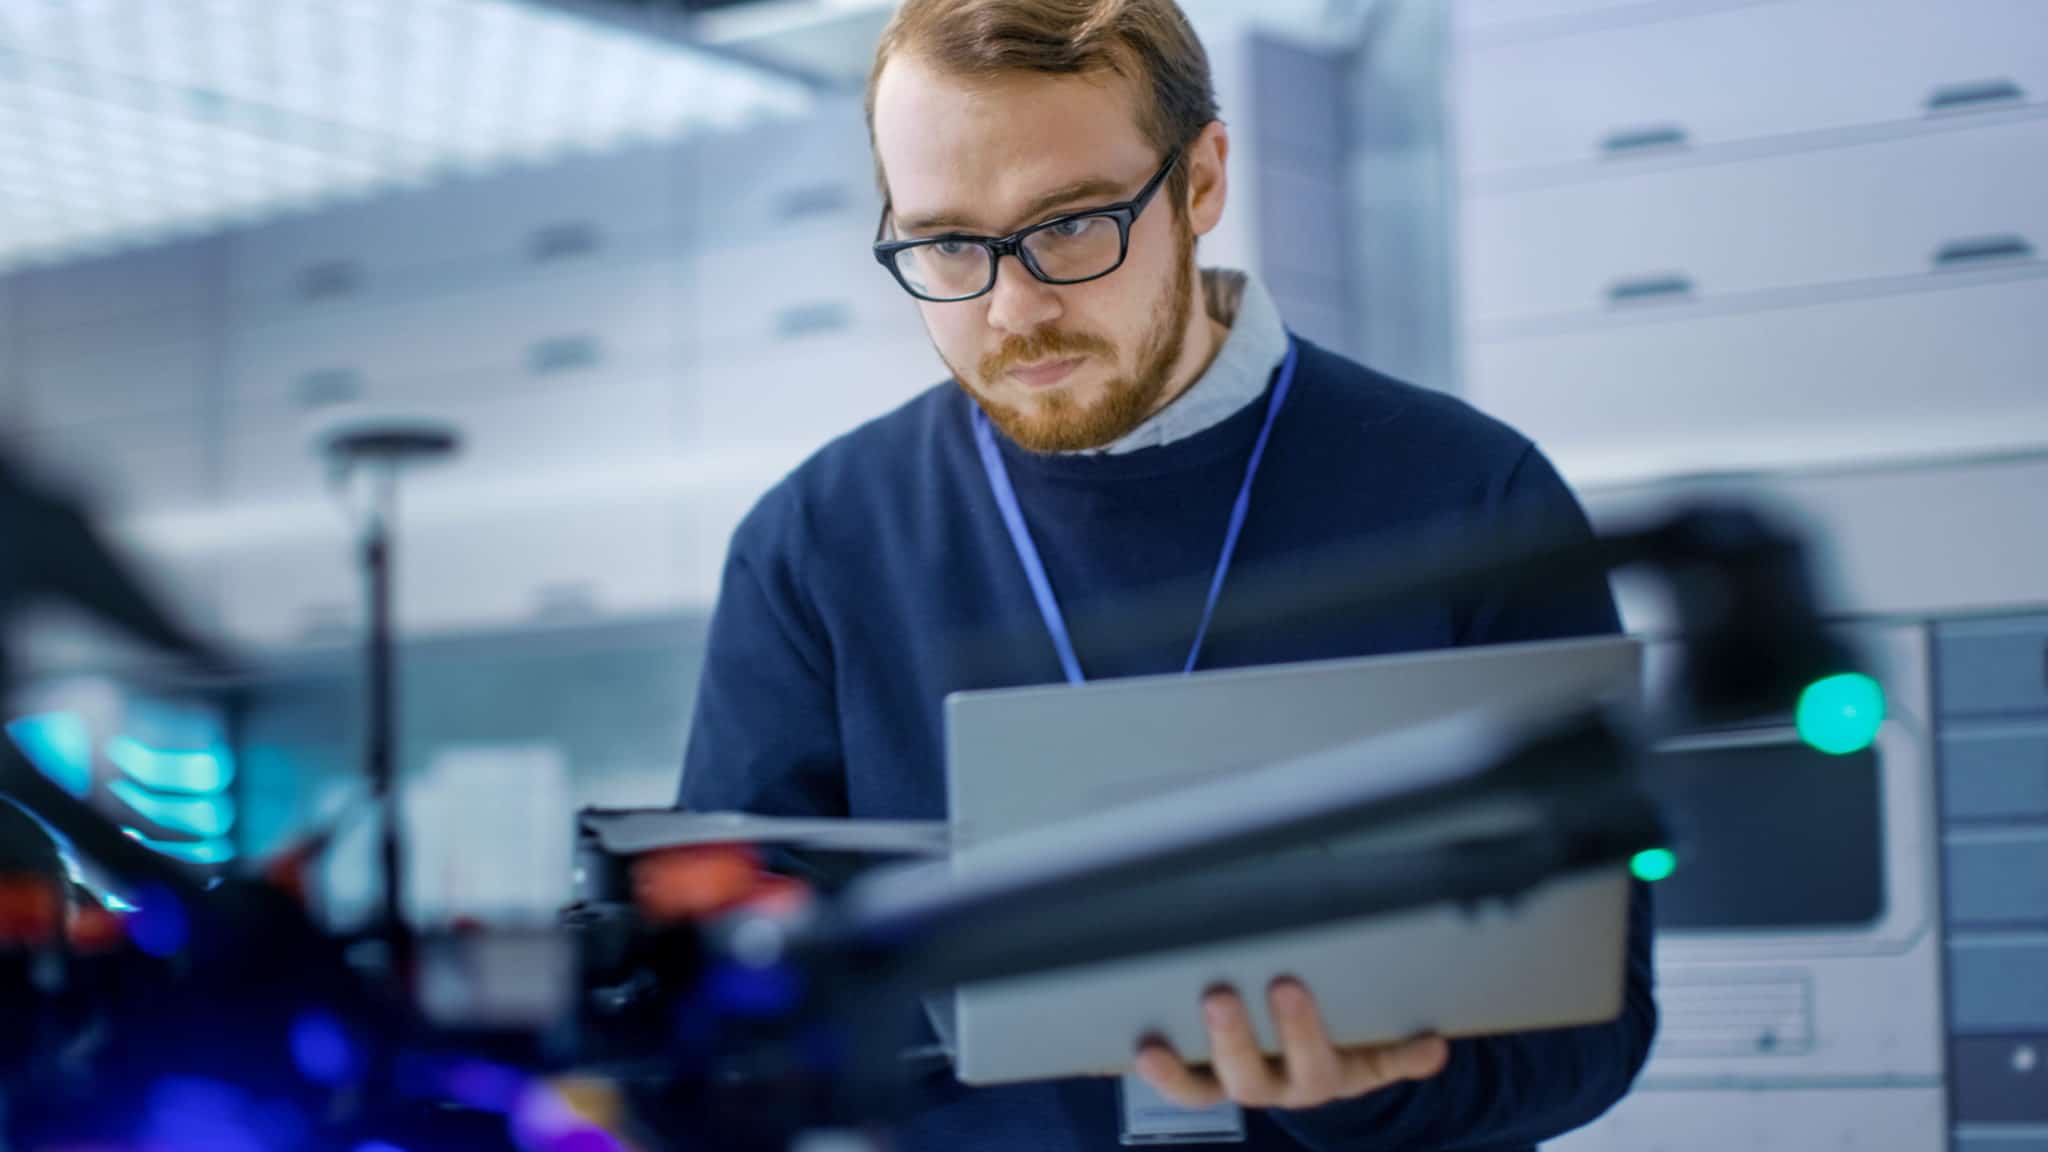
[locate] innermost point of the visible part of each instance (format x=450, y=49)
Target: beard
x=1057, y=422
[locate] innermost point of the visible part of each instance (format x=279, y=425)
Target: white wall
x=631, y=345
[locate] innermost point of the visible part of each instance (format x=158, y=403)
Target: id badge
x=1150, y=1118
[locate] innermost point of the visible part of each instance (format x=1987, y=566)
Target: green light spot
x=1654, y=864
x=1841, y=714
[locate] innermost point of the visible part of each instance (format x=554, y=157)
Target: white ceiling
x=123, y=122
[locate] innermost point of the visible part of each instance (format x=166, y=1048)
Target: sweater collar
x=1237, y=376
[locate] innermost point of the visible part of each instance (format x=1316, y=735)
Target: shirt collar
x=1237, y=376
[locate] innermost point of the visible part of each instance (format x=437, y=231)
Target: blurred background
x=1786, y=248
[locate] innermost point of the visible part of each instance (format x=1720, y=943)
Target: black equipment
x=226, y=1018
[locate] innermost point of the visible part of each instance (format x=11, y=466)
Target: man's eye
x=951, y=248
x=1069, y=229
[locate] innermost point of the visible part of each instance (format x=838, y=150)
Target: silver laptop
x=1022, y=761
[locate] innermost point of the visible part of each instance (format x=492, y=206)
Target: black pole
x=381, y=753
x=376, y=451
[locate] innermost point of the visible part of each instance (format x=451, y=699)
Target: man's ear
x=1208, y=177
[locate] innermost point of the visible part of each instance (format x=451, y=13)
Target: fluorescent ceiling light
x=124, y=122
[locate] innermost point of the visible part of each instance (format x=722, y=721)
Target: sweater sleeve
x=1518, y=1090
x=765, y=734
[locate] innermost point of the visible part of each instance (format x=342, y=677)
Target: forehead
x=982, y=149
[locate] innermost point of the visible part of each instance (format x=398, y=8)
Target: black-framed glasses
x=1072, y=248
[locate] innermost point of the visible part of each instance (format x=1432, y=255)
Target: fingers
x=1163, y=1069
x=1241, y=1066
x=1314, y=1067
x=1311, y=1072
x=1370, y=1069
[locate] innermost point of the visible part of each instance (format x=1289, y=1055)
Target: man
x=1116, y=420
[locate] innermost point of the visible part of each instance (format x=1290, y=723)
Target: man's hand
x=1310, y=1072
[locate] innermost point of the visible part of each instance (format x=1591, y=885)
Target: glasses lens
x=1077, y=249
x=945, y=269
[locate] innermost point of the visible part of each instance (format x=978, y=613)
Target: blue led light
x=193, y=1114
x=58, y=744
x=199, y=772
x=483, y=1085
x=159, y=925
x=321, y=1048
x=738, y=990
x=584, y=1140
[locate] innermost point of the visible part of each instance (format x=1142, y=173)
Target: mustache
x=1050, y=344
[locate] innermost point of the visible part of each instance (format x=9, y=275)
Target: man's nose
x=1021, y=303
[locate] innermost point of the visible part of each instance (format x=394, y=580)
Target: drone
x=704, y=997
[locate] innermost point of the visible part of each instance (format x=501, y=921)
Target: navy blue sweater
x=867, y=585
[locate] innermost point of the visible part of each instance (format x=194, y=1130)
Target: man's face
x=1057, y=367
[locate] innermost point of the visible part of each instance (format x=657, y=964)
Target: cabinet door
x=293, y=585
x=583, y=424
x=1960, y=359
x=1720, y=75
x=1968, y=196
x=132, y=466
x=575, y=562
x=470, y=342
x=1994, y=668
x=1998, y=772
x=793, y=290
x=465, y=230
x=805, y=391
x=814, y=175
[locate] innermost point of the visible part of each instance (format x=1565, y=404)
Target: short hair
x=1148, y=43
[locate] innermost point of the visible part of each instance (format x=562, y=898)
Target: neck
x=1199, y=345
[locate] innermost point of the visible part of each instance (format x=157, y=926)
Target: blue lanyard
x=1034, y=568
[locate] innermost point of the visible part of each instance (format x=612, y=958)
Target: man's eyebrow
x=1095, y=189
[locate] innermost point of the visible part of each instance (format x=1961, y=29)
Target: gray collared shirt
x=1238, y=375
